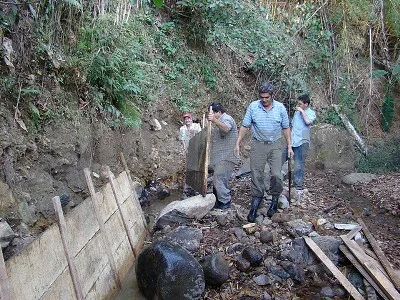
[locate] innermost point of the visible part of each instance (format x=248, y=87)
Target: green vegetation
x=122, y=56
x=382, y=158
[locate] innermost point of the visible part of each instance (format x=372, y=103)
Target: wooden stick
x=382, y=258
x=114, y=189
x=350, y=128
x=335, y=271
x=68, y=253
x=207, y=156
x=4, y=284
x=380, y=278
x=133, y=193
x=361, y=269
x=103, y=232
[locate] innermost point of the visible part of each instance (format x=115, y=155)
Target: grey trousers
x=222, y=173
x=260, y=155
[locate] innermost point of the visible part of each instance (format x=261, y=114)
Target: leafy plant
x=382, y=158
x=387, y=109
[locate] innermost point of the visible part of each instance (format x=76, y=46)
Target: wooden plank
x=123, y=217
x=384, y=283
x=70, y=259
x=207, y=155
x=353, y=232
x=196, y=166
x=382, y=258
x=134, y=195
x=335, y=271
x=27, y=269
x=4, y=284
x=362, y=271
x=103, y=232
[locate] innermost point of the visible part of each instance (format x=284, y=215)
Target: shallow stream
x=130, y=288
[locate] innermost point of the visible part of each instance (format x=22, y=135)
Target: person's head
x=303, y=101
x=265, y=93
x=187, y=118
x=217, y=109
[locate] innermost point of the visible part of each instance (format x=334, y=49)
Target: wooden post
x=117, y=200
x=70, y=258
x=134, y=195
x=382, y=258
x=335, y=271
x=4, y=284
x=103, y=232
x=207, y=155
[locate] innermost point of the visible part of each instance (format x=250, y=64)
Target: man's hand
x=290, y=152
x=211, y=117
x=236, y=151
x=298, y=108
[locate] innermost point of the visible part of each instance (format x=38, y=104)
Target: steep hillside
x=79, y=85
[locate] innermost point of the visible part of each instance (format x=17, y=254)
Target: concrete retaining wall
x=41, y=270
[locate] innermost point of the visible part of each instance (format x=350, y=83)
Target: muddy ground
x=377, y=203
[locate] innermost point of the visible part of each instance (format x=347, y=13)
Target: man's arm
x=304, y=115
x=242, y=133
x=221, y=125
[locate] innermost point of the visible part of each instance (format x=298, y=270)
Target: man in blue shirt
x=267, y=119
x=301, y=124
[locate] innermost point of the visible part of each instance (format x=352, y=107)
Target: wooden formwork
x=100, y=254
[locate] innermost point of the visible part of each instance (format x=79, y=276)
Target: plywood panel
x=61, y=289
x=124, y=185
x=105, y=286
x=196, y=163
x=40, y=264
x=82, y=226
x=41, y=270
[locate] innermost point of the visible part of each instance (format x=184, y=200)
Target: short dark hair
x=266, y=88
x=305, y=98
x=217, y=107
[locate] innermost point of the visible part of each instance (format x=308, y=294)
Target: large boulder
x=187, y=237
x=193, y=207
x=331, y=148
x=166, y=271
x=358, y=178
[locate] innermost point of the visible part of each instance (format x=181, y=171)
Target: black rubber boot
x=255, y=203
x=274, y=206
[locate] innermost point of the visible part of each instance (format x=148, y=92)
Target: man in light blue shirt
x=268, y=119
x=301, y=124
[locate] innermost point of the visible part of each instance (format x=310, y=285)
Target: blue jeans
x=300, y=154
